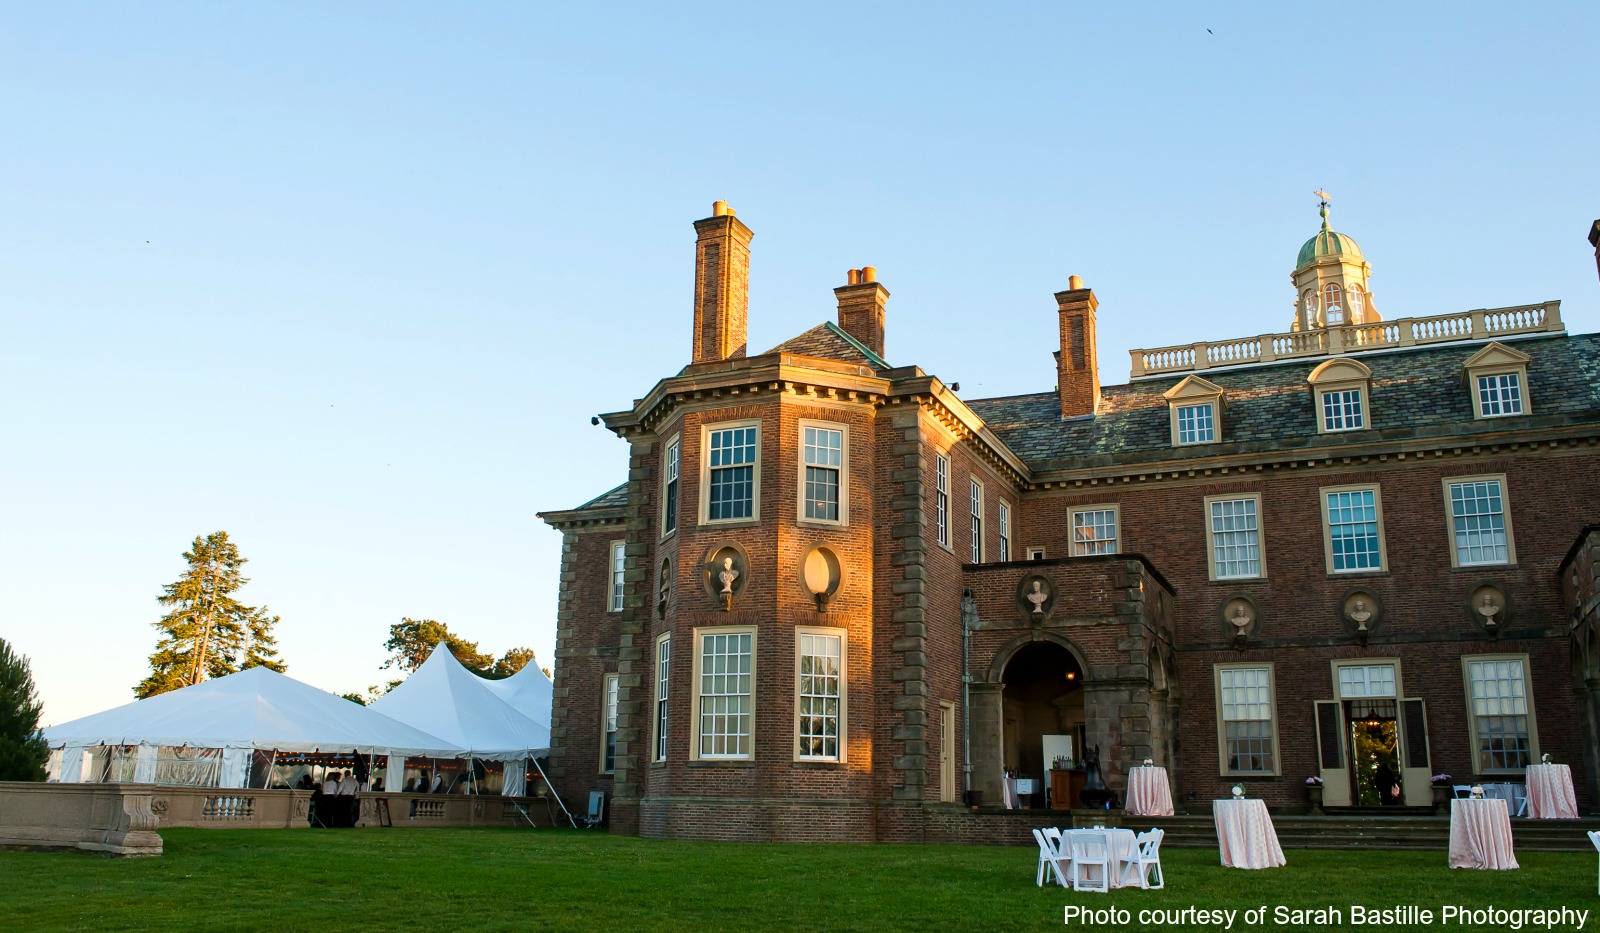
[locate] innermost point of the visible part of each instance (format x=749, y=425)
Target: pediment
x=1497, y=354
x=1340, y=370
x=1192, y=387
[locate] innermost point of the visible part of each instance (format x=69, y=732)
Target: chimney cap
x=721, y=209
x=869, y=273
x=1074, y=282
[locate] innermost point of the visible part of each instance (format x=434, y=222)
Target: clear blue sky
x=348, y=284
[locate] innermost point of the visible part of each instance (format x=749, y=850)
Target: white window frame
x=941, y=499
x=1333, y=378
x=842, y=697
x=705, y=473
x=659, y=708
x=1211, y=537
x=672, y=475
x=976, y=527
x=1323, y=495
x=1502, y=399
x=1210, y=410
x=1505, y=519
x=1497, y=361
x=616, y=580
x=843, y=470
x=1473, y=724
x=1005, y=531
x=1087, y=547
x=610, y=689
x=699, y=697
x=1350, y=417
x=1222, y=722
x=1036, y=553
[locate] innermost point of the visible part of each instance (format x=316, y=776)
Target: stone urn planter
x=1441, y=797
x=1314, y=795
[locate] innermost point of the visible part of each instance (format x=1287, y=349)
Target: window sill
x=1356, y=574
x=813, y=764
x=732, y=522
x=736, y=763
x=820, y=523
x=1235, y=581
x=1481, y=568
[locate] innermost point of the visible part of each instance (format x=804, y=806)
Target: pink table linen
x=1550, y=795
x=1245, y=835
x=1148, y=792
x=1480, y=835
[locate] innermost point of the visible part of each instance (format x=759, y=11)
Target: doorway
x=1043, y=696
x=1374, y=752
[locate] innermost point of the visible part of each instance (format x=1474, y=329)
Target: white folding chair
x=1594, y=837
x=1144, y=862
x=1049, y=860
x=1063, y=852
x=1090, y=849
x=1521, y=794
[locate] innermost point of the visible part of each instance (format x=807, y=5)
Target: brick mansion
x=836, y=600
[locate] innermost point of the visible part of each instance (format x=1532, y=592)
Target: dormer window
x=1341, y=389
x=1497, y=378
x=1195, y=411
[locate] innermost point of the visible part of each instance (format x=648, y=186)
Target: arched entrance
x=1042, y=710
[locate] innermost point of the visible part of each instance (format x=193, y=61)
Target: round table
x=1480, y=834
x=1149, y=793
x=1550, y=795
x=1245, y=837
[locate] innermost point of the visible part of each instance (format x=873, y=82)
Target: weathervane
x=1324, y=197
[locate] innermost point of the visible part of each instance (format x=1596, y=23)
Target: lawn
x=497, y=879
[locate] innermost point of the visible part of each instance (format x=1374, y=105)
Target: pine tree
x=208, y=633
x=22, y=750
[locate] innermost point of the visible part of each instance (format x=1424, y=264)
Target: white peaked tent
x=255, y=709
x=445, y=699
x=529, y=692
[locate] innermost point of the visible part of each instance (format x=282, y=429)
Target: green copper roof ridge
x=873, y=358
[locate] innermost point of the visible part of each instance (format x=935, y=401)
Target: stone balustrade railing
x=1483, y=324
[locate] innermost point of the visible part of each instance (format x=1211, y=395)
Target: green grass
x=467, y=879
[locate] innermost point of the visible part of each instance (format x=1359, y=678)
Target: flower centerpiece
x=1441, y=779
x=1238, y=792
x=1477, y=792
x=1544, y=759
x=1150, y=761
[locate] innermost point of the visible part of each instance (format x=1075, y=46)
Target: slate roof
x=612, y=499
x=828, y=341
x=1415, y=393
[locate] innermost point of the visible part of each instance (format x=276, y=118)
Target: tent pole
x=552, y=787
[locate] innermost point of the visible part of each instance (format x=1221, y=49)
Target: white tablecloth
x=1008, y=793
x=1550, y=795
x=1480, y=834
x=1149, y=794
x=1121, y=842
x=1245, y=836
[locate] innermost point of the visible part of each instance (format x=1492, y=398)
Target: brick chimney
x=1594, y=240
x=861, y=306
x=721, y=286
x=1077, y=367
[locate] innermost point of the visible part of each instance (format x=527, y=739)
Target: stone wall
x=116, y=819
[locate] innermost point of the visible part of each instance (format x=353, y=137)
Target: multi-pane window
x=1005, y=532
x=609, y=763
x=1342, y=410
x=821, y=659
x=1355, y=541
x=724, y=694
x=663, y=665
x=1311, y=304
x=731, y=490
x=1500, y=395
x=823, y=459
x=1366, y=680
x=1197, y=424
x=941, y=498
x=1478, y=523
x=977, y=522
x=1358, y=303
x=1235, y=538
x=1244, y=703
x=1094, y=531
x=1497, y=690
x=669, y=520
x=1332, y=299
x=619, y=559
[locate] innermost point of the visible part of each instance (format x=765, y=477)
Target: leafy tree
x=412, y=640
x=512, y=661
x=22, y=749
x=355, y=698
x=208, y=633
